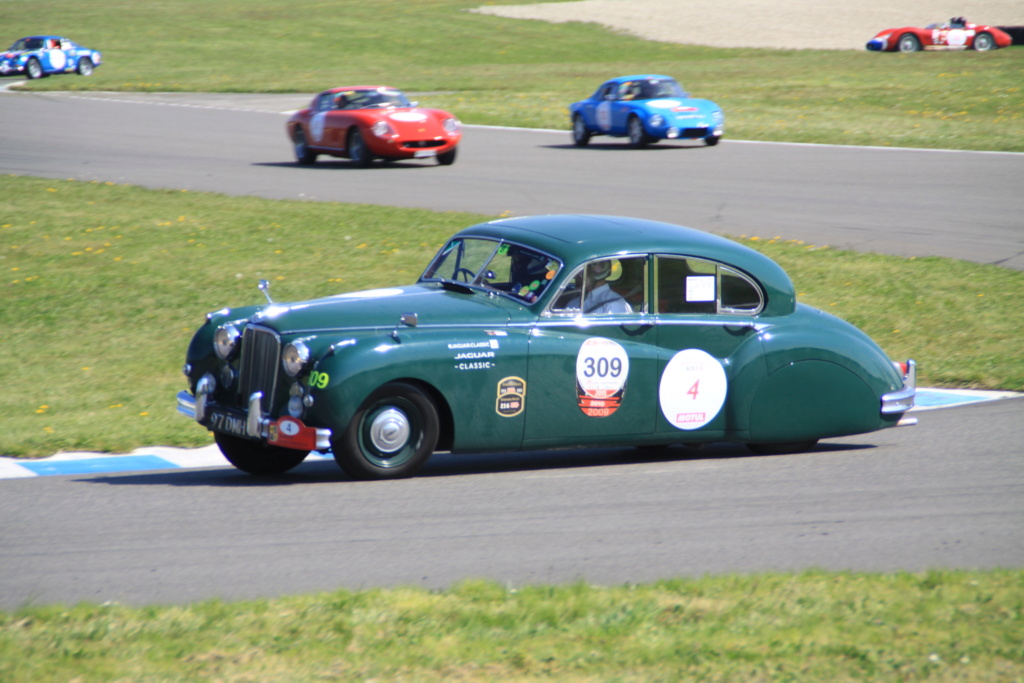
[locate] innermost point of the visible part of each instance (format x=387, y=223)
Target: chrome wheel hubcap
x=390, y=430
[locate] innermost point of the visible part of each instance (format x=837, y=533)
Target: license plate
x=424, y=153
x=228, y=422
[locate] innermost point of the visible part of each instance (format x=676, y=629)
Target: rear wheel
x=256, y=457
x=33, y=69
x=391, y=436
x=983, y=42
x=84, y=67
x=782, y=448
x=302, y=152
x=447, y=158
x=358, y=152
x=637, y=134
x=580, y=133
x=908, y=42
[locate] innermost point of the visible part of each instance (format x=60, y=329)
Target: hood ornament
x=264, y=287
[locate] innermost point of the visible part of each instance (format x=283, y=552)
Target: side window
x=613, y=286
x=324, y=102
x=687, y=285
x=738, y=294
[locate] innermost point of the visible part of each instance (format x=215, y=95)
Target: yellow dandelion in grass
x=51, y=189
x=362, y=246
x=116, y=405
x=279, y=277
x=42, y=409
x=279, y=251
x=86, y=368
x=48, y=430
x=144, y=414
x=15, y=268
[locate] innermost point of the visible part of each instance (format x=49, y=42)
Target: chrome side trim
x=902, y=400
x=323, y=439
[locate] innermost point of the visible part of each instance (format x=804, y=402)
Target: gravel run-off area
x=821, y=24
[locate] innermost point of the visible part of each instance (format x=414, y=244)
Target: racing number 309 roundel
x=692, y=389
x=602, y=367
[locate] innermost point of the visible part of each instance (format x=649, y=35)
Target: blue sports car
x=39, y=56
x=645, y=108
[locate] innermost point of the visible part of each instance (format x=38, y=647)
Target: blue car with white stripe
x=40, y=56
x=645, y=108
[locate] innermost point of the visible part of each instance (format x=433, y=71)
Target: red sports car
x=955, y=34
x=367, y=121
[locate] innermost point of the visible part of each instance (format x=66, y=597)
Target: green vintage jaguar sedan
x=541, y=332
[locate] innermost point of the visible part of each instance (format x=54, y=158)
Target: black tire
x=33, y=69
x=391, y=436
x=908, y=42
x=983, y=42
x=303, y=154
x=637, y=135
x=358, y=152
x=580, y=133
x=256, y=457
x=84, y=67
x=782, y=448
x=447, y=158
x=712, y=140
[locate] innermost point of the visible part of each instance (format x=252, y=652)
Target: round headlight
x=382, y=130
x=451, y=126
x=294, y=358
x=225, y=341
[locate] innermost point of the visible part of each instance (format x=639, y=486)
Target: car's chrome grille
x=261, y=351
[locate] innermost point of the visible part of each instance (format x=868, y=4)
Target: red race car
x=955, y=34
x=364, y=122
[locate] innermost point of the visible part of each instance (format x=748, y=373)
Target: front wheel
x=33, y=69
x=983, y=42
x=782, y=448
x=84, y=67
x=303, y=154
x=256, y=457
x=712, y=140
x=447, y=158
x=580, y=133
x=391, y=435
x=637, y=134
x=908, y=42
x=358, y=152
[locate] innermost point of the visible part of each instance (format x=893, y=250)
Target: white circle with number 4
x=692, y=390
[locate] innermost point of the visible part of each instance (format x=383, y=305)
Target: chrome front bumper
x=256, y=426
x=902, y=400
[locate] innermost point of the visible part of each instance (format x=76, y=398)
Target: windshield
x=650, y=89
x=364, y=99
x=512, y=269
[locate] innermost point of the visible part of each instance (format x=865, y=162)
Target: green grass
x=492, y=70
x=103, y=285
x=814, y=626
